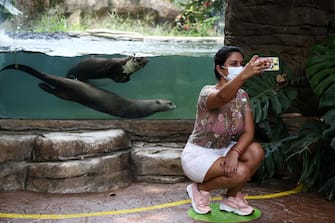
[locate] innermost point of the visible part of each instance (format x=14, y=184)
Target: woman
x=220, y=153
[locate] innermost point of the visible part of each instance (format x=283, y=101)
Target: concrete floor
x=152, y=203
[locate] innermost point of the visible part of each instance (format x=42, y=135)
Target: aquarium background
x=168, y=76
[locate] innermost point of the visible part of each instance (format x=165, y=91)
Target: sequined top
x=217, y=128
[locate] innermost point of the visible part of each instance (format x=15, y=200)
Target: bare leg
x=249, y=161
x=252, y=157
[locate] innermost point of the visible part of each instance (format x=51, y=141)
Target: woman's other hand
x=229, y=164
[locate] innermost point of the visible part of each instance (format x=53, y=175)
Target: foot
x=237, y=205
x=241, y=198
x=200, y=199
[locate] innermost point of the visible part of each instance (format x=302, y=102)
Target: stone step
x=65, y=162
x=67, y=145
x=78, y=176
x=15, y=147
x=157, y=163
x=13, y=175
x=90, y=161
x=61, y=145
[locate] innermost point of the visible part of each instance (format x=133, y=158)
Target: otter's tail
x=26, y=69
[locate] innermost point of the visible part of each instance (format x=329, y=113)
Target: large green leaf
x=327, y=100
x=269, y=97
x=274, y=159
x=321, y=75
x=329, y=132
x=329, y=119
x=315, y=143
x=321, y=67
x=308, y=134
x=324, y=48
x=269, y=164
x=332, y=144
x=311, y=168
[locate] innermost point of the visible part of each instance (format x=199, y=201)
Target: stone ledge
x=85, y=161
x=16, y=147
x=137, y=130
x=133, y=36
x=13, y=175
x=65, y=145
x=157, y=164
x=79, y=176
x=161, y=179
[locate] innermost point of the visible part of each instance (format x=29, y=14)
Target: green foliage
x=200, y=10
x=268, y=97
x=202, y=23
x=310, y=153
x=145, y=26
x=274, y=146
x=51, y=24
x=321, y=68
x=199, y=16
x=316, y=140
x=303, y=149
x=271, y=94
x=141, y=25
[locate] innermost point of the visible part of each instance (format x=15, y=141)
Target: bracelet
x=237, y=150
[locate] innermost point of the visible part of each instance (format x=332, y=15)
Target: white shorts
x=197, y=160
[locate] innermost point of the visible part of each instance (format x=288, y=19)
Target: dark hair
x=222, y=55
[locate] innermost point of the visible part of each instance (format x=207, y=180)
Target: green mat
x=218, y=216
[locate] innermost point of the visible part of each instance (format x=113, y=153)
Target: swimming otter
x=118, y=69
x=98, y=99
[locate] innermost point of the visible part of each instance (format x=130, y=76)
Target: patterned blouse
x=217, y=128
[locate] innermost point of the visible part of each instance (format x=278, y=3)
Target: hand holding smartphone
x=273, y=63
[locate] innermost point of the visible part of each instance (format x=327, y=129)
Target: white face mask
x=233, y=72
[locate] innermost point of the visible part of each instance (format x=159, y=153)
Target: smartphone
x=274, y=66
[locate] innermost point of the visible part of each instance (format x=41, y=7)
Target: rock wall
x=287, y=27
x=89, y=156
x=160, y=11
x=63, y=162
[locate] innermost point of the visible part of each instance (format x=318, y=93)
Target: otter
x=95, y=98
x=118, y=69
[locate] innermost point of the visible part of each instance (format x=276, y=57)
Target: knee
x=243, y=173
x=257, y=151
